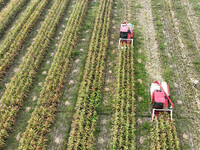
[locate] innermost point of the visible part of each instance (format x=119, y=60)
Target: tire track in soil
x=185, y=74
x=193, y=23
x=185, y=66
x=145, y=19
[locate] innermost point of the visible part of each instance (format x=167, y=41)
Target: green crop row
x=43, y=115
x=164, y=134
x=89, y=98
x=9, y=12
x=20, y=83
x=12, y=45
x=123, y=131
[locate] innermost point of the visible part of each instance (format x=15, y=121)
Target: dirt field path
x=145, y=18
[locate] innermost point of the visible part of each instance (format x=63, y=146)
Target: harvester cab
x=126, y=33
x=160, y=99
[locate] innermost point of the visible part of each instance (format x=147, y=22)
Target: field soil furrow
x=185, y=65
x=124, y=9
x=85, y=118
x=52, y=89
x=186, y=69
x=129, y=10
x=187, y=60
x=21, y=82
x=71, y=78
x=141, y=82
x=176, y=57
x=61, y=127
x=9, y=12
x=153, y=64
x=193, y=22
x=123, y=136
x=123, y=125
x=30, y=102
x=104, y=136
x=12, y=69
x=11, y=46
x=145, y=18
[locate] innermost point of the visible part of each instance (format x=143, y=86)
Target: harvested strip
x=123, y=136
x=193, y=22
x=11, y=46
x=9, y=12
x=163, y=134
x=43, y=115
x=85, y=118
x=185, y=70
x=145, y=18
x=20, y=83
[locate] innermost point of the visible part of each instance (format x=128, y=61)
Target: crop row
x=43, y=115
x=163, y=134
x=11, y=46
x=89, y=98
x=2, y=2
x=20, y=83
x=123, y=136
x=9, y=12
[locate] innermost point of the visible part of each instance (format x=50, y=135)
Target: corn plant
x=163, y=134
x=176, y=140
x=12, y=45
x=43, y=115
x=9, y=12
x=123, y=136
x=20, y=83
x=85, y=118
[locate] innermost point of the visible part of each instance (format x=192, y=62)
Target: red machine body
x=126, y=33
x=160, y=99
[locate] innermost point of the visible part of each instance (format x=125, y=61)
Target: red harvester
x=160, y=99
x=126, y=33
